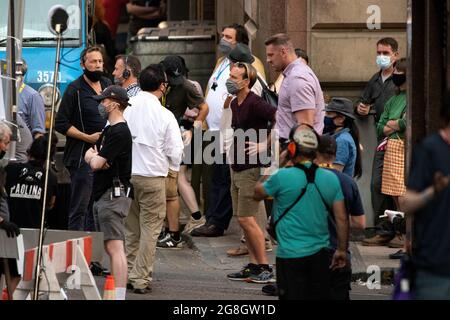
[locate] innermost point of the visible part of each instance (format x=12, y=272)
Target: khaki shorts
x=242, y=191
x=109, y=214
x=172, y=186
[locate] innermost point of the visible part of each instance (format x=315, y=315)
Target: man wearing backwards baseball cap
x=302, y=195
x=110, y=159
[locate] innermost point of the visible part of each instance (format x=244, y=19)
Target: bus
x=39, y=44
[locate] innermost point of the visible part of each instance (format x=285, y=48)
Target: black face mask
x=94, y=76
x=2, y=154
x=399, y=79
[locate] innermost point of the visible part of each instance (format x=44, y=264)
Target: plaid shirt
x=133, y=90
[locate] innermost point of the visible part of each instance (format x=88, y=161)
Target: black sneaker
x=208, y=231
x=162, y=235
x=244, y=274
x=270, y=290
x=169, y=243
x=398, y=255
x=98, y=270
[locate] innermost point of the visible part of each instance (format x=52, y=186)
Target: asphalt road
x=183, y=275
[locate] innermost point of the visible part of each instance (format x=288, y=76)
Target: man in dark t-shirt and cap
x=110, y=160
x=182, y=94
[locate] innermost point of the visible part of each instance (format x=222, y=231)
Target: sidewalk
x=212, y=251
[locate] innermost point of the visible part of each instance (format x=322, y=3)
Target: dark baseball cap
x=241, y=53
x=174, y=68
x=115, y=93
x=343, y=106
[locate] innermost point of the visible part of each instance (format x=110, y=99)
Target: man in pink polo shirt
x=301, y=98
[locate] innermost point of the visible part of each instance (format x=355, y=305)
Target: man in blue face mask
x=380, y=87
x=378, y=91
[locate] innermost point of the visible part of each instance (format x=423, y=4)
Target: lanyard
x=22, y=87
x=326, y=166
x=221, y=70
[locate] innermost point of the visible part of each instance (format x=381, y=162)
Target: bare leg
x=254, y=239
x=186, y=191
x=119, y=269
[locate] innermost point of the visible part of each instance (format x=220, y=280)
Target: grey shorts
x=109, y=215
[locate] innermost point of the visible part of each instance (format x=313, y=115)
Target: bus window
x=36, y=26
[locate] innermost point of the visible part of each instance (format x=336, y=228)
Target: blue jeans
x=430, y=286
x=80, y=209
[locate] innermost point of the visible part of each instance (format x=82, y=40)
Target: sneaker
x=162, y=235
x=169, y=243
x=209, y=231
x=378, y=240
x=398, y=255
x=269, y=246
x=244, y=274
x=397, y=242
x=237, y=252
x=142, y=291
x=98, y=270
x=270, y=290
x=194, y=224
x=263, y=277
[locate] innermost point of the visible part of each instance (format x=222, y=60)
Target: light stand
x=58, y=18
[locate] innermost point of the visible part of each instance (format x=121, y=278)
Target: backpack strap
x=310, y=175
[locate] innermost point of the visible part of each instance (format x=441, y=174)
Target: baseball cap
x=343, y=106
x=241, y=53
x=174, y=68
x=115, y=93
x=306, y=138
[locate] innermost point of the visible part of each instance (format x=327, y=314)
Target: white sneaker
x=193, y=224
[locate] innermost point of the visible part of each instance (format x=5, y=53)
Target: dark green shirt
x=395, y=109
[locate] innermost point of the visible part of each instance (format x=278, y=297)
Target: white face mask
x=384, y=62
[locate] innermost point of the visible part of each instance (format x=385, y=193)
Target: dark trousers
x=380, y=202
x=307, y=278
x=341, y=280
x=201, y=174
x=80, y=209
x=220, y=210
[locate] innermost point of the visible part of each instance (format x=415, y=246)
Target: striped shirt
x=133, y=90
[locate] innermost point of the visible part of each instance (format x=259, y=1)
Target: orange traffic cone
x=109, y=293
x=5, y=295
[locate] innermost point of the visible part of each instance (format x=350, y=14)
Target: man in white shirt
x=219, y=209
x=157, y=144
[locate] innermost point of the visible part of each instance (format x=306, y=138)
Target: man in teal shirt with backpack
x=304, y=198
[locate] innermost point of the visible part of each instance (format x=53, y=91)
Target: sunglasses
x=243, y=65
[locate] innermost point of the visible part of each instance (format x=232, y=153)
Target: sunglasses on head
x=243, y=65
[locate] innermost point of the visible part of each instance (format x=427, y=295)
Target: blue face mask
x=383, y=62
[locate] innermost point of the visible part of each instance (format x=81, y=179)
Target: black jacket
x=70, y=114
x=378, y=93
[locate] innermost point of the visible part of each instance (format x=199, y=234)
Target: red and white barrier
x=63, y=257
